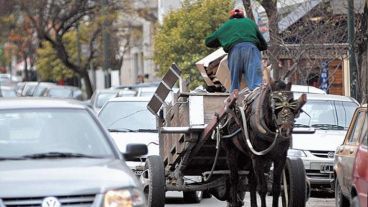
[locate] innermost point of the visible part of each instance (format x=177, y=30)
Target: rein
x=278, y=101
x=246, y=134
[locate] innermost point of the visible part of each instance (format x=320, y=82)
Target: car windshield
x=326, y=114
x=127, y=115
x=7, y=93
x=103, y=98
x=28, y=132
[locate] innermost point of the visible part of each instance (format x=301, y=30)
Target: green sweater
x=234, y=31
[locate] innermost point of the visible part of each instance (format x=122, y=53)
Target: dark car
x=351, y=159
x=56, y=153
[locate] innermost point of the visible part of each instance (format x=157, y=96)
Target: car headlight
x=124, y=198
x=296, y=153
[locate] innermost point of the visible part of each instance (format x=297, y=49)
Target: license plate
x=327, y=168
x=138, y=172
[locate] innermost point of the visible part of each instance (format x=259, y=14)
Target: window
x=357, y=128
x=327, y=115
x=364, y=134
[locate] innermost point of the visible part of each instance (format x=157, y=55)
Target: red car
x=351, y=163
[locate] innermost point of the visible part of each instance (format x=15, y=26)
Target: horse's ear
x=301, y=101
x=267, y=74
x=288, y=86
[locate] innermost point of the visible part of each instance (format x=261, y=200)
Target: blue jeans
x=245, y=58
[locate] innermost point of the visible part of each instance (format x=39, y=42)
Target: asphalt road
x=174, y=199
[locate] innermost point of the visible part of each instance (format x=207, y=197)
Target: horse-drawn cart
x=191, y=139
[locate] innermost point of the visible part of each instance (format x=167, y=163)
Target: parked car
x=57, y=153
x=143, y=89
x=350, y=166
x=7, y=91
x=66, y=92
x=306, y=89
x=129, y=121
x=317, y=133
x=33, y=88
x=100, y=97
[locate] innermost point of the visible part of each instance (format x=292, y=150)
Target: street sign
x=324, y=77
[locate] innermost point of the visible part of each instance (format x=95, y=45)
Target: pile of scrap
x=215, y=71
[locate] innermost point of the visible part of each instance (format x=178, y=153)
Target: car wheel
x=340, y=199
x=355, y=202
x=153, y=181
x=192, y=196
x=206, y=194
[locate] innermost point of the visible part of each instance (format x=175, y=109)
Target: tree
x=49, y=66
x=296, y=49
x=25, y=45
x=362, y=53
x=53, y=19
x=181, y=38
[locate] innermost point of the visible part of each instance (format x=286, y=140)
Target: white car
x=306, y=89
x=318, y=131
x=129, y=121
x=100, y=97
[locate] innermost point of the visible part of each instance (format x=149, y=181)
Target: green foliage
x=181, y=38
x=50, y=67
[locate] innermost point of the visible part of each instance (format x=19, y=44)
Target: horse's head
x=284, y=108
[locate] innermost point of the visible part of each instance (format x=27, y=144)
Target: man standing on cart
x=242, y=40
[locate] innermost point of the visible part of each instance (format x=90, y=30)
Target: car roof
x=130, y=99
x=33, y=83
x=330, y=97
x=36, y=103
x=7, y=87
x=306, y=89
x=111, y=90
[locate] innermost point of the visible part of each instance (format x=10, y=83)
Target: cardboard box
x=204, y=63
x=214, y=70
x=223, y=75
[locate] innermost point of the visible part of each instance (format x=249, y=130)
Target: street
x=174, y=199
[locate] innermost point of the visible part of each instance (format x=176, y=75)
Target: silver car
x=56, y=153
x=318, y=132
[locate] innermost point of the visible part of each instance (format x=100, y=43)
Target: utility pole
x=352, y=60
x=106, y=44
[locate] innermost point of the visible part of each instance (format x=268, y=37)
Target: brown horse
x=260, y=124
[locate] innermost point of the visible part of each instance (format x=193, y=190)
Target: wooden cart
x=189, y=147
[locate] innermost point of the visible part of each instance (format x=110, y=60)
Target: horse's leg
x=252, y=188
x=232, y=156
x=258, y=165
x=276, y=186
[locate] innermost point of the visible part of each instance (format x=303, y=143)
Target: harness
x=252, y=102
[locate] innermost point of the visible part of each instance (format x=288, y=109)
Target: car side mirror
x=135, y=150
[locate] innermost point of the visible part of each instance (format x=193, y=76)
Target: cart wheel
x=295, y=189
x=192, y=196
x=153, y=180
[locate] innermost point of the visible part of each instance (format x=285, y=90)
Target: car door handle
x=340, y=149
